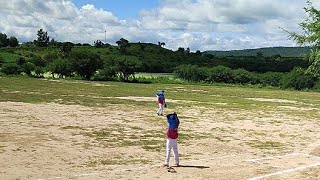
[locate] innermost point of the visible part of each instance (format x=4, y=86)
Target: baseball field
x=69, y=129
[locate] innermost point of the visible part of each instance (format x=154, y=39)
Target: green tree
x=86, y=63
x=66, y=48
x=191, y=72
x=21, y=61
x=13, y=41
x=126, y=66
x=61, y=67
x=297, y=79
x=28, y=68
x=10, y=69
x=108, y=72
x=3, y=40
x=42, y=38
x=180, y=49
x=311, y=36
x=98, y=44
x=123, y=45
x=38, y=61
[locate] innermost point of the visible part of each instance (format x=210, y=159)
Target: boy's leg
x=160, y=110
x=168, y=152
x=175, y=151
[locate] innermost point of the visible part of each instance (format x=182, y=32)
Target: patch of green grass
x=266, y=145
x=72, y=127
x=118, y=160
x=221, y=139
x=116, y=136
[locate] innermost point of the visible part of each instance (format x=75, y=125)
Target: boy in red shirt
x=172, y=136
x=161, y=101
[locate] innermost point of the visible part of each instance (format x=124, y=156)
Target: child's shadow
x=172, y=170
x=191, y=166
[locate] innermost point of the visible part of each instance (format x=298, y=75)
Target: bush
x=105, y=74
x=38, y=61
x=1, y=61
x=38, y=71
x=242, y=76
x=297, y=79
x=271, y=78
x=28, y=68
x=86, y=64
x=191, y=73
x=62, y=67
x=10, y=69
x=220, y=74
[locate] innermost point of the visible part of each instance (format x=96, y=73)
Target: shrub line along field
x=69, y=129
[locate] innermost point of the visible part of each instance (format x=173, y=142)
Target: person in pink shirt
x=172, y=137
x=161, y=102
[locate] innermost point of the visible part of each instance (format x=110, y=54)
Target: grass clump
x=266, y=145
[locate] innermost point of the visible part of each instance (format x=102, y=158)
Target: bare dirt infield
x=54, y=141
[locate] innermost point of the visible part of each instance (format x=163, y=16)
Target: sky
x=197, y=24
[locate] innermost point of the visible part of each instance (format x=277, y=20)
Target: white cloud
x=177, y=15
x=239, y=24
x=198, y=24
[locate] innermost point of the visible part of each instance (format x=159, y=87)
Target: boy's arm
x=178, y=121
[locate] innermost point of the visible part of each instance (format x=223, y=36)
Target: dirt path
x=54, y=141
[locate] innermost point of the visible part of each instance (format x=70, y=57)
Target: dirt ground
x=54, y=141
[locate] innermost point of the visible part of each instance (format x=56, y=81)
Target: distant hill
x=267, y=52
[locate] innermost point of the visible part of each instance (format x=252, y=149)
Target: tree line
x=295, y=79
x=106, y=62
x=6, y=41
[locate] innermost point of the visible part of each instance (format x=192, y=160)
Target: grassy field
x=24, y=89
x=115, y=125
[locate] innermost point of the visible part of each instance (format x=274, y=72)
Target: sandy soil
x=54, y=141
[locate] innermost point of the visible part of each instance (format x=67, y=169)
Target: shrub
x=85, y=64
x=38, y=61
x=220, y=74
x=62, y=67
x=39, y=71
x=297, y=79
x=191, y=73
x=27, y=68
x=1, y=61
x=10, y=69
x=271, y=78
x=242, y=76
x=105, y=74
